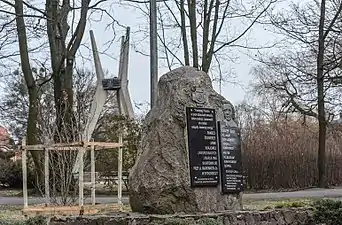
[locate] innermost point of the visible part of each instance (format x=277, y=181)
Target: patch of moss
x=267, y=208
x=296, y=204
x=37, y=220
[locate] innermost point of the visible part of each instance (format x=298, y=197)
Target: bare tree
x=60, y=25
x=302, y=75
x=204, y=33
x=14, y=107
x=56, y=31
x=29, y=79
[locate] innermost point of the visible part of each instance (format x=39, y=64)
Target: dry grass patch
x=276, y=204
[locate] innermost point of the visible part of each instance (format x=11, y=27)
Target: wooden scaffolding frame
x=125, y=108
x=76, y=146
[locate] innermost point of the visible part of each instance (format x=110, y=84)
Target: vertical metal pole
x=93, y=183
x=153, y=52
x=46, y=176
x=24, y=167
x=120, y=172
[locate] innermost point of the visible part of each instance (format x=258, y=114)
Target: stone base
x=283, y=217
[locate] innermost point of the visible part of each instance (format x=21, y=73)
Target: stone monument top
x=160, y=182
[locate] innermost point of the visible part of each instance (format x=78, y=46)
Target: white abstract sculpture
x=100, y=97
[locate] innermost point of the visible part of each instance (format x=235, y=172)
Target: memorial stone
x=161, y=181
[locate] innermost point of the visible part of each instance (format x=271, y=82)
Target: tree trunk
x=320, y=101
x=184, y=36
x=57, y=29
x=206, y=28
x=67, y=102
x=31, y=132
x=193, y=31
x=208, y=55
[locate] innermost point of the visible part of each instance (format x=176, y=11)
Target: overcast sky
x=139, y=73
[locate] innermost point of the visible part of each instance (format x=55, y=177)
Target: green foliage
x=11, y=174
x=328, y=212
x=107, y=160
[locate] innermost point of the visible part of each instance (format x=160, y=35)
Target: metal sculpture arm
x=123, y=94
x=100, y=97
x=97, y=104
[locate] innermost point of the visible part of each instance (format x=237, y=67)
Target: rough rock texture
x=284, y=217
x=159, y=182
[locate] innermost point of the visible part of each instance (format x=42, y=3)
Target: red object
x=4, y=136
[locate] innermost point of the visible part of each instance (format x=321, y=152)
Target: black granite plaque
x=203, y=147
x=230, y=159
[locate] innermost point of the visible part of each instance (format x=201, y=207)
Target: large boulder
x=159, y=182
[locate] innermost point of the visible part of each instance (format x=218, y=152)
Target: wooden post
x=24, y=167
x=120, y=172
x=80, y=178
x=93, y=183
x=47, y=177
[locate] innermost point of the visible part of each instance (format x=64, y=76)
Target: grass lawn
x=11, y=192
x=11, y=213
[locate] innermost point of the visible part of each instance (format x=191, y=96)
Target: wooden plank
x=42, y=146
x=60, y=211
x=47, y=177
x=120, y=172
x=93, y=182
x=80, y=180
x=108, y=146
x=24, y=167
x=70, y=210
x=56, y=148
x=98, y=145
x=103, y=144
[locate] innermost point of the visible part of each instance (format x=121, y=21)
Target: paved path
x=310, y=193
